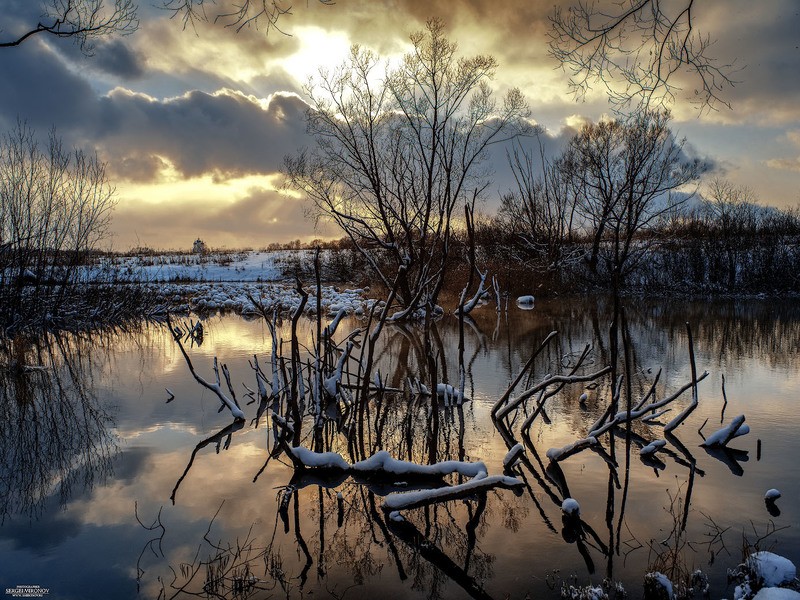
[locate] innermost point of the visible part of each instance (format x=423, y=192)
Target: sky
x=194, y=123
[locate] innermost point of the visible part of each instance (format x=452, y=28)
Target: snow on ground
x=209, y=297
x=183, y=283
x=241, y=266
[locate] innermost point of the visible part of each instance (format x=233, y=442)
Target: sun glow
x=319, y=50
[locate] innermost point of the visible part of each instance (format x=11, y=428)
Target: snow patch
x=771, y=569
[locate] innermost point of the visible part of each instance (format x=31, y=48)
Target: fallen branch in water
x=215, y=387
x=720, y=438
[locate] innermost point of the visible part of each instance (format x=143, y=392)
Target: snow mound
x=658, y=585
x=571, y=507
x=776, y=594
x=525, y=302
x=772, y=494
x=652, y=447
x=771, y=569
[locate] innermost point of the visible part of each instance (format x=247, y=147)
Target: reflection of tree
x=345, y=531
x=331, y=526
x=348, y=529
x=56, y=434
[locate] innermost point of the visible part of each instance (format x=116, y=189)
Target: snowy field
x=206, y=283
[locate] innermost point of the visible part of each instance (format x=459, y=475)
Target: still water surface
x=93, y=457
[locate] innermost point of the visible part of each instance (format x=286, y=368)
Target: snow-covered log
x=510, y=459
x=652, y=447
x=734, y=429
x=408, y=500
x=381, y=463
x=558, y=454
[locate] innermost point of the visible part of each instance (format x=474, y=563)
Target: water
x=90, y=445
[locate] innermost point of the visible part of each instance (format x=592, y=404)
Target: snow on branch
x=382, y=465
x=623, y=417
x=215, y=387
x=548, y=381
x=408, y=500
x=734, y=429
x=464, y=308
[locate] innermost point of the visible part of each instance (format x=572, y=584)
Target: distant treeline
x=715, y=245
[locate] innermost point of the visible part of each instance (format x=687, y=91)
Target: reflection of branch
x=153, y=544
x=729, y=457
x=55, y=431
x=414, y=538
x=217, y=438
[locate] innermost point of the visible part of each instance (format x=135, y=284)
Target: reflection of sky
x=90, y=548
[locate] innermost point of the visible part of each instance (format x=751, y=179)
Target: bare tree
x=626, y=173
x=55, y=207
x=641, y=51
x=396, y=152
x=732, y=219
x=541, y=211
x=87, y=20
x=81, y=20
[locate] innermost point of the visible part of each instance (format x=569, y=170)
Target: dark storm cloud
x=38, y=88
x=116, y=58
x=226, y=134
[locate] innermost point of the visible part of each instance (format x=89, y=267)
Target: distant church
x=199, y=246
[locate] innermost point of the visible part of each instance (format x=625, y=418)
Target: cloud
x=784, y=164
x=226, y=133
x=41, y=90
x=794, y=137
x=760, y=44
x=255, y=217
x=117, y=58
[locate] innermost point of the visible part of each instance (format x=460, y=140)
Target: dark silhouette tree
x=83, y=21
x=397, y=152
x=642, y=51
x=625, y=174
